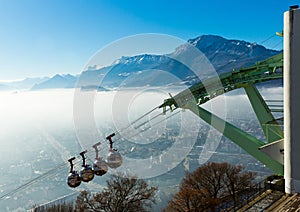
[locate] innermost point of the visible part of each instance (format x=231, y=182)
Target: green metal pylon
x=273, y=132
x=246, y=141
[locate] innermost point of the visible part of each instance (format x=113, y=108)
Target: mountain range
x=25, y=84
x=157, y=70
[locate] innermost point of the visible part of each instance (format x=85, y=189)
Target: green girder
x=193, y=97
x=273, y=132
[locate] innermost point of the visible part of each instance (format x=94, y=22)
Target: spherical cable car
x=86, y=173
x=73, y=179
x=114, y=158
x=100, y=167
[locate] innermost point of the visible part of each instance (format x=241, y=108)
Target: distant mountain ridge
x=228, y=54
x=160, y=70
x=225, y=55
x=57, y=81
x=24, y=84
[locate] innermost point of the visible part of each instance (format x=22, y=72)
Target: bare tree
x=210, y=177
x=188, y=199
x=123, y=193
x=210, y=185
x=236, y=181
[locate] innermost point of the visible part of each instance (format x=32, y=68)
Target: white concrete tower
x=292, y=100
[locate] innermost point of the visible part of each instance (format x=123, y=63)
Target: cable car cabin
x=73, y=179
x=86, y=173
x=114, y=159
x=100, y=167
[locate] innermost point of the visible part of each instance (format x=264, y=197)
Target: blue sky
x=44, y=37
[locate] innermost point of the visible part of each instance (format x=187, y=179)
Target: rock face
x=228, y=54
x=161, y=70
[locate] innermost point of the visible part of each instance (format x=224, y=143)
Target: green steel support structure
x=246, y=141
x=263, y=113
x=200, y=93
